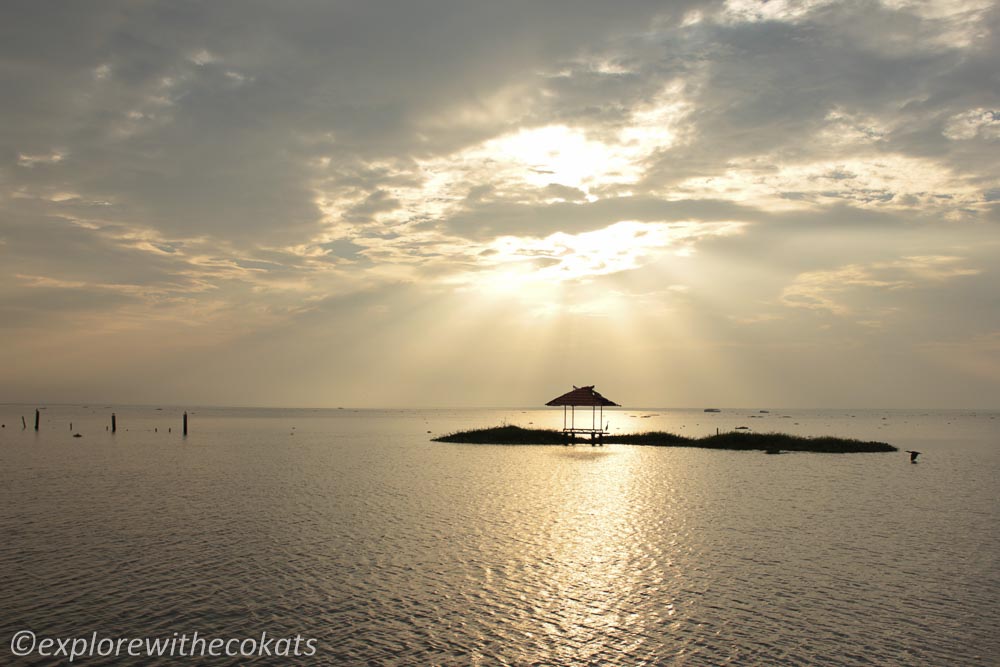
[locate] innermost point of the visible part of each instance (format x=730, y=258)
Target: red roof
x=581, y=396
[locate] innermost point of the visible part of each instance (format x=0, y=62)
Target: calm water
x=352, y=528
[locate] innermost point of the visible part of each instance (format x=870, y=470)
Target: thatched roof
x=581, y=396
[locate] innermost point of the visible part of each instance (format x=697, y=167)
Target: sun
x=561, y=155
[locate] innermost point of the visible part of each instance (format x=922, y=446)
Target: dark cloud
x=768, y=88
x=196, y=123
x=343, y=248
x=489, y=220
x=379, y=201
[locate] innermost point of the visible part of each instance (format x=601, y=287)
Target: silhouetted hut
x=583, y=397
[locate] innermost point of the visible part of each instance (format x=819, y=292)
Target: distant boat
x=712, y=410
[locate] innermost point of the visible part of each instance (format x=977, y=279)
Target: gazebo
x=583, y=396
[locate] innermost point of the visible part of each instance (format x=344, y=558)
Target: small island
x=771, y=443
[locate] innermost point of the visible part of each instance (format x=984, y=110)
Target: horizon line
x=181, y=406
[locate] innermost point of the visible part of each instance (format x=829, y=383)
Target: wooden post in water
x=37, y=417
x=114, y=423
x=185, y=422
x=24, y=424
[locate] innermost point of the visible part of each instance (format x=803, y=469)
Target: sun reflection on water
x=601, y=563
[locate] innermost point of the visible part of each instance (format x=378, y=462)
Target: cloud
x=527, y=264
x=168, y=163
x=823, y=290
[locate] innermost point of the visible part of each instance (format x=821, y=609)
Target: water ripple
x=391, y=550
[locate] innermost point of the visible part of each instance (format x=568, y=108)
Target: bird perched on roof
x=913, y=455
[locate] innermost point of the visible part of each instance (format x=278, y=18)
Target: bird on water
x=913, y=455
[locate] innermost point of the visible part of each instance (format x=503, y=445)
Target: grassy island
x=739, y=440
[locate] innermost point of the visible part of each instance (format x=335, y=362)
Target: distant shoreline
x=731, y=440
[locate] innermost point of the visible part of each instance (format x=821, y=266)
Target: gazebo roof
x=581, y=396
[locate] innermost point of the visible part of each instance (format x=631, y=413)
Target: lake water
x=354, y=529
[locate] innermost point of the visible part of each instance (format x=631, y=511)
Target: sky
x=471, y=203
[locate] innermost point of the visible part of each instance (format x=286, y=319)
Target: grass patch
x=734, y=440
x=507, y=435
